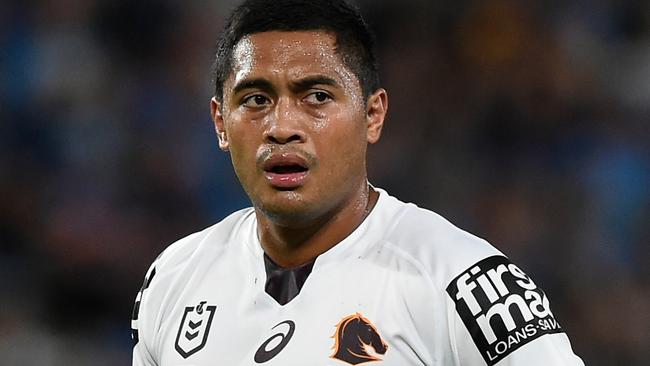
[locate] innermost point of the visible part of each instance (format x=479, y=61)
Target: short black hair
x=354, y=40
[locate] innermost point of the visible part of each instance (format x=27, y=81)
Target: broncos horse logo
x=357, y=341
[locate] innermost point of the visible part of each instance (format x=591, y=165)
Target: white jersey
x=405, y=288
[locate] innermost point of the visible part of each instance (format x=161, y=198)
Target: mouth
x=286, y=171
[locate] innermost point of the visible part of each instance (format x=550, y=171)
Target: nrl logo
x=193, y=331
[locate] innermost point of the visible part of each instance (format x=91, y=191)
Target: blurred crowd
x=525, y=122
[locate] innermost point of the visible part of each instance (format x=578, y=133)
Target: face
x=295, y=122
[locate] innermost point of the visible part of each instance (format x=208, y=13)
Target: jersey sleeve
x=140, y=334
x=500, y=317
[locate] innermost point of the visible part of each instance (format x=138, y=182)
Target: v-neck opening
x=284, y=284
x=325, y=258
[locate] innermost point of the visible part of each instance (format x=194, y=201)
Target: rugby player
x=324, y=268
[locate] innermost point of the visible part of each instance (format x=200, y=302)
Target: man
x=325, y=269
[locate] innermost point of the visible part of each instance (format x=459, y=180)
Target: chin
x=289, y=208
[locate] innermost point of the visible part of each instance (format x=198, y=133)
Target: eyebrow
x=258, y=83
x=296, y=86
x=309, y=82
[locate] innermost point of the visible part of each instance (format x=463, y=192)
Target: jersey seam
x=417, y=264
x=402, y=252
x=422, y=268
x=452, y=329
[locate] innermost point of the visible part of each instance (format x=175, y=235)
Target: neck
x=294, y=246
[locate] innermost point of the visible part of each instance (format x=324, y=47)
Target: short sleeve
x=142, y=356
x=500, y=317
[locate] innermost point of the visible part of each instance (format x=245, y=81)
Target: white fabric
x=393, y=270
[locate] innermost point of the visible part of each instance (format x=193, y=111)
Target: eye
x=255, y=100
x=318, y=97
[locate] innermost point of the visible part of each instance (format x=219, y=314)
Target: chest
x=346, y=314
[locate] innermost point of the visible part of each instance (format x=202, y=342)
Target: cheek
x=243, y=147
x=351, y=130
x=342, y=140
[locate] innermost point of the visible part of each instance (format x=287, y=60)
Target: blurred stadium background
x=525, y=122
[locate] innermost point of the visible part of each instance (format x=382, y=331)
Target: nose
x=285, y=124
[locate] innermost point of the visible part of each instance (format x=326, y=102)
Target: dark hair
x=354, y=41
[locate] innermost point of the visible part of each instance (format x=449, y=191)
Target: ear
x=217, y=117
x=376, y=109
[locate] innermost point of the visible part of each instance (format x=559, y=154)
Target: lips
x=286, y=171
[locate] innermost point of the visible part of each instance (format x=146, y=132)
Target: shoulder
x=434, y=244
x=210, y=240
x=172, y=269
x=493, y=306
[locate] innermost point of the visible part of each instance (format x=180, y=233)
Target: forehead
x=291, y=54
x=278, y=45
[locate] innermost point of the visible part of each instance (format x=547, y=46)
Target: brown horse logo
x=357, y=341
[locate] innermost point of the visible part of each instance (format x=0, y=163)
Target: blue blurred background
x=525, y=122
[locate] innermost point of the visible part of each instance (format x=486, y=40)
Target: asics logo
x=287, y=328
